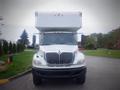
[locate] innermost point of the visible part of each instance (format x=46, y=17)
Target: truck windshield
x=58, y=38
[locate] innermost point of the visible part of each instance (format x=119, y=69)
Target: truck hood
x=58, y=48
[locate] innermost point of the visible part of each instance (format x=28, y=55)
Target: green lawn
x=21, y=62
x=103, y=53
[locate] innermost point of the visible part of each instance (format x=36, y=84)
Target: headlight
x=80, y=62
x=79, y=58
x=36, y=62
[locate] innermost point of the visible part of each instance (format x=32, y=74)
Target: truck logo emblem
x=59, y=52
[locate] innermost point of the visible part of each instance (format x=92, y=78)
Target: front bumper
x=59, y=73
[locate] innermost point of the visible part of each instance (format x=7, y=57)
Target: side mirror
x=80, y=47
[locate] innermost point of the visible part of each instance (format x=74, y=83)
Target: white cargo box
x=60, y=21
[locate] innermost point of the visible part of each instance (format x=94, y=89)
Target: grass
x=103, y=53
x=21, y=62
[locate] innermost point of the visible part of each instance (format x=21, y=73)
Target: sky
x=98, y=16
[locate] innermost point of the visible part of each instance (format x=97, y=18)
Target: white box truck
x=58, y=55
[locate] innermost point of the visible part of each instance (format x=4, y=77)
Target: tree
x=14, y=48
x=18, y=47
x=5, y=46
x=100, y=40
x=10, y=46
x=115, y=35
x=111, y=39
x=1, y=49
x=24, y=38
x=90, y=41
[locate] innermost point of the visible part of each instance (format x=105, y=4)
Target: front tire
x=82, y=78
x=37, y=80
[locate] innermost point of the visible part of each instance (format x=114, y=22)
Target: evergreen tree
x=20, y=47
x=24, y=38
x=14, y=48
x=10, y=47
x=1, y=49
x=17, y=47
x=5, y=47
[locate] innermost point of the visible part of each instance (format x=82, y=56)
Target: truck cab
x=58, y=55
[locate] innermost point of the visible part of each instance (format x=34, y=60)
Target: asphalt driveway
x=102, y=74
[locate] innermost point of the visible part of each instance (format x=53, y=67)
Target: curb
x=4, y=81
x=19, y=75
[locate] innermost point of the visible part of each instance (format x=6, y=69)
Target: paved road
x=103, y=74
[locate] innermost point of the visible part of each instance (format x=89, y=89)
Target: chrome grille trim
x=64, y=58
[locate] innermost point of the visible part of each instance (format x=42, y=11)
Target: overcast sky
x=98, y=15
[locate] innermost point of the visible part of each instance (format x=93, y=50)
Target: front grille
x=52, y=58
x=66, y=58
x=63, y=58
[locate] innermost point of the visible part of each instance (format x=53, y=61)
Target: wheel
x=37, y=80
x=81, y=80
